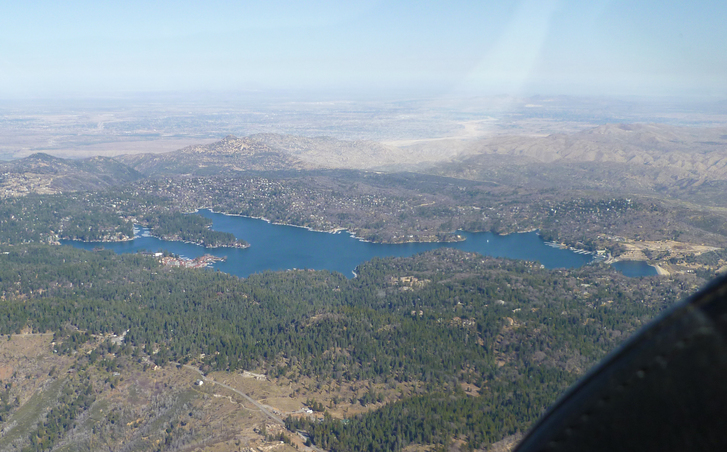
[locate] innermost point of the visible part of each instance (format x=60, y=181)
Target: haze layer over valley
x=535, y=163
x=136, y=352
x=146, y=148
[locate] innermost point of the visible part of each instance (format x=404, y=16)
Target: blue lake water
x=634, y=268
x=278, y=247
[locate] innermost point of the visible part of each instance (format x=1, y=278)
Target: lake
x=279, y=247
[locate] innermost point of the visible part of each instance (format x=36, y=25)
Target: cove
x=279, y=247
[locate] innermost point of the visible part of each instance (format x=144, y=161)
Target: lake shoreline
x=167, y=239
x=339, y=229
x=276, y=247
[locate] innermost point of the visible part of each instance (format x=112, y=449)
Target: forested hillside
x=477, y=347
x=102, y=217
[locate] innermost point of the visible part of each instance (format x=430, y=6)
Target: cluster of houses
x=199, y=262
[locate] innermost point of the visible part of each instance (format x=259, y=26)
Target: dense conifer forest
x=487, y=343
x=102, y=217
x=447, y=348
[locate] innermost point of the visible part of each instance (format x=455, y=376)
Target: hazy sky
x=594, y=47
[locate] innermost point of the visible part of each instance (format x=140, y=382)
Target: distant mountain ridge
x=638, y=158
x=666, y=146
x=270, y=152
x=328, y=152
x=633, y=157
x=43, y=173
x=228, y=155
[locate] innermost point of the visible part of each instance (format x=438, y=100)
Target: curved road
x=262, y=408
